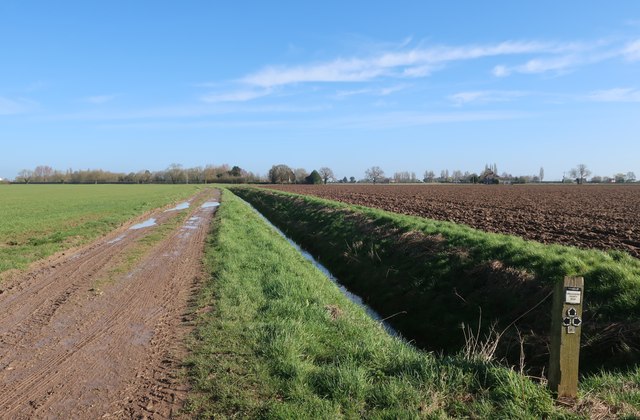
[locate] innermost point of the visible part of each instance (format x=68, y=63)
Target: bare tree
x=541, y=175
x=210, y=173
x=195, y=175
x=631, y=177
x=429, y=176
x=25, y=176
x=326, y=174
x=176, y=174
x=144, y=177
x=404, y=176
x=301, y=174
x=374, y=174
x=580, y=173
x=42, y=173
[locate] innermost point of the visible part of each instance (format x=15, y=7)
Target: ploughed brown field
x=587, y=216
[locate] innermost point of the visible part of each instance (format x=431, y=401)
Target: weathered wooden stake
x=566, y=324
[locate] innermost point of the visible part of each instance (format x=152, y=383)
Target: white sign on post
x=573, y=295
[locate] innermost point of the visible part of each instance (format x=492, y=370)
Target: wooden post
x=566, y=324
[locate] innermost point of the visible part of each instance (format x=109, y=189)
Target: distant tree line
x=283, y=174
x=174, y=174
x=581, y=172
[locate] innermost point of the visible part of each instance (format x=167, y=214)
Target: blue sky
x=407, y=86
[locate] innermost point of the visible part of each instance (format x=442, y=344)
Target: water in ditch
x=350, y=295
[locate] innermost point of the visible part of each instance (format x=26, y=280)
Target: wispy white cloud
x=9, y=106
x=501, y=71
x=615, y=95
x=419, y=71
x=351, y=70
x=392, y=89
x=100, y=99
x=555, y=64
x=485, y=96
x=403, y=62
x=632, y=51
x=236, y=96
x=341, y=94
x=385, y=91
x=571, y=57
x=417, y=62
x=543, y=65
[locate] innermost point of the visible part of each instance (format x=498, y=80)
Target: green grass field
x=39, y=220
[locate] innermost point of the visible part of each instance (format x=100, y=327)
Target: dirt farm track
x=95, y=333
x=587, y=216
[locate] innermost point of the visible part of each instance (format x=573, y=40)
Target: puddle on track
x=118, y=239
x=210, y=204
x=181, y=206
x=351, y=296
x=146, y=223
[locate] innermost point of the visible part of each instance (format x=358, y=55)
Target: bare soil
x=587, y=216
x=96, y=333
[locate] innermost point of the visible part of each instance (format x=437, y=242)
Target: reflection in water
x=146, y=223
x=118, y=239
x=180, y=206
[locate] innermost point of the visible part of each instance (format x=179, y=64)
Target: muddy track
x=98, y=333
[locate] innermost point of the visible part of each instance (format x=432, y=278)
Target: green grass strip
x=277, y=339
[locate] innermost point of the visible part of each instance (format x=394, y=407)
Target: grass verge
x=276, y=339
x=439, y=275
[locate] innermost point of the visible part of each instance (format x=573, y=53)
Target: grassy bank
x=437, y=275
x=276, y=339
x=38, y=220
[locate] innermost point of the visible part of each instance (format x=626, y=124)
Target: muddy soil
x=587, y=216
x=97, y=333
